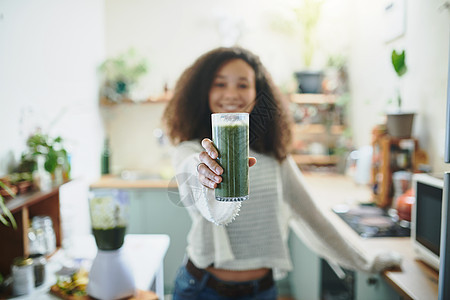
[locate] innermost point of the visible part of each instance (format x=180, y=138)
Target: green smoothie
x=109, y=239
x=231, y=142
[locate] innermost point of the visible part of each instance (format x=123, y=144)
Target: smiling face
x=233, y=88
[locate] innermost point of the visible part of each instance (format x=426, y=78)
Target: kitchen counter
x=117, y=182
x=146, y=262
x=415, y=280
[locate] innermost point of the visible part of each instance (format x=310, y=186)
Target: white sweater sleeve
x=319, y=234
x=193, y=194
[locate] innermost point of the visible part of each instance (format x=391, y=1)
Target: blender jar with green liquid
x=109, y=217
x=110, y=276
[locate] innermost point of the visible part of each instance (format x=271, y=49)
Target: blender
x=110, y=276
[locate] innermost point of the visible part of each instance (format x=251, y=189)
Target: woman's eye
x=219, y=84
x=243, y=86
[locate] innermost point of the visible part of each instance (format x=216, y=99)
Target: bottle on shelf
x=106, y=154
x=41, y=177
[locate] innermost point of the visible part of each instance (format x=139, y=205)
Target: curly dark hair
x=188, y=116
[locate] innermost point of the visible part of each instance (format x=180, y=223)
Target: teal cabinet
x=373, y=287
x=306, y=278
x=153, y=211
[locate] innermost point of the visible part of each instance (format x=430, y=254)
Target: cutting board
x=141, y=295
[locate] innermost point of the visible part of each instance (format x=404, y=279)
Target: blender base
x=110, y=276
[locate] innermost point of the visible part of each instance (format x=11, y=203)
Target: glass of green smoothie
x=109, y=217
x=230, y=133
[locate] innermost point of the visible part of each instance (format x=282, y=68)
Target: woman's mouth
x=231, y=108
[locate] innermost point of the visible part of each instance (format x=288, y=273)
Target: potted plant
x=5, y=213
x=6, y=217
x=22, y=180
x=120, y=74
x=399, y=122
x=46, y=154
x=301, y=22
x=308, y=15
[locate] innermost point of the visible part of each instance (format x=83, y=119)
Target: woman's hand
x=209, y=170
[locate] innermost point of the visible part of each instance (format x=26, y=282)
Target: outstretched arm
x=320, y=234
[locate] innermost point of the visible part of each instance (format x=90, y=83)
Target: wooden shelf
x=312, y=98
x=14, y=242
x=163, y=98
x=116, y=182
x=384, y=161
x=318, y=129
x=306, y=134
x=308, y=159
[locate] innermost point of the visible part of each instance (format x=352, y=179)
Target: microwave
x=426, y=217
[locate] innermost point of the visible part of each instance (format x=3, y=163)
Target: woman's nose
x=230, y=93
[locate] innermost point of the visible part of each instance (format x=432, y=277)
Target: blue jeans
x=188, y=287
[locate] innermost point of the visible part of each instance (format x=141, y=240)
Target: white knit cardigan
x=253, y=233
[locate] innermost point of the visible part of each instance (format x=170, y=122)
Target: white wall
x=132, y=131
x=173, y=33
x=424, y=86
x=48, y=56
x=49, y=51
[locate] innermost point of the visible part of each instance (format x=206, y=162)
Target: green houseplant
x=5, y=213
x=6, y=217
x=300, y=22
x=399, y=122
x=46, y=154
x=308, y=16
x=400, y=68
x=121, y=73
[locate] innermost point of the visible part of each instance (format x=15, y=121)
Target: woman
x=242, y=259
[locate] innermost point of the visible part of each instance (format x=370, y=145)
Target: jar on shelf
x=44, y=225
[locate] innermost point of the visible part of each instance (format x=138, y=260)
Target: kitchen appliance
x=110, y=276
x=371, y=221
x=444, y=272
x=426, y=217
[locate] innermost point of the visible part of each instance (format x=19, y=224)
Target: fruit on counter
x=73, y=285
x=404, y=205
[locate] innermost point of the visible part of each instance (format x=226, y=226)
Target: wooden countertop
x=116, y=182
x=415, y=280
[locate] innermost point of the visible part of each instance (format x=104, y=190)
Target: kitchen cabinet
x=373, y=287
x=14, y=242
x=309, y=281
x=318, y=129
x=158, y=211
x=304, y=279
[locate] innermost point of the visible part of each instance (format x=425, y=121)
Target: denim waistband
x=232, y=289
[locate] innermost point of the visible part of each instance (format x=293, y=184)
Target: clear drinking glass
x=230, y=133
